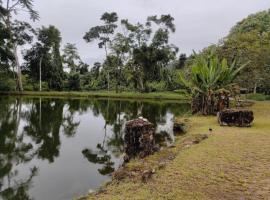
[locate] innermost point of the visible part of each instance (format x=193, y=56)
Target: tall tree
x=13, y=7
x=47, y=53
x=150, y=54
x=71, y=57
x=104, y=32
x=248, y=41
x=5, y=50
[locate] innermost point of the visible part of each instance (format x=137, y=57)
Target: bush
x=74, y=82
x=257, y=97
x=44, y=86
x=267, y=98
x=156, y=86
x=7, y=84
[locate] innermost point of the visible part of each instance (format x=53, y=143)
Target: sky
x=199, y=23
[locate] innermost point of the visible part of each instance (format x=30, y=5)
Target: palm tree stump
x=236, y=117
x=139, y=138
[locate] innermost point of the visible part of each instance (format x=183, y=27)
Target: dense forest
x=138, y=57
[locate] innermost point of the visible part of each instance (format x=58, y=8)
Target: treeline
x=138, y=57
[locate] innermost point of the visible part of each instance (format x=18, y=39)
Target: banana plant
x=209, y=75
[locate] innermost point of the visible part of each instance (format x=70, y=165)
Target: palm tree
x=209, y=80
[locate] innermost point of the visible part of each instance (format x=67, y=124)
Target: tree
x=182, y=61
x=208, y=79
x=120, y=46
x=5, y=50
x=96, y=69
x=46, y=52
x=11, y=8
x=74, y=82
x=103, y=33
x=150, y=51
x=248, y=41
x=71, y=57
x=6, y=57
x=83, y=67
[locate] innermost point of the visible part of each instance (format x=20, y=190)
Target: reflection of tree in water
x=115, y=114
x=111, y=111
x=100, y=157
x=44, y=120
x=19, y=191
x=69, y=125
x=14, y=151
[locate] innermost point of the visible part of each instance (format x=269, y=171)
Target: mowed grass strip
x=101, y=94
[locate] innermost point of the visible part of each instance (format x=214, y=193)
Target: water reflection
x=13, y=151
x=50, y=134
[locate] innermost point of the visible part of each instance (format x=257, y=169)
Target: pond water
x=60, y=148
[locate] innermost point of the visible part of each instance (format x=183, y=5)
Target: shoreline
x=113, y=95
x=193, y=168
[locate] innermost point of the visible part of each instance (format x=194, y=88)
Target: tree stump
x=236, y=117
x=139, y=138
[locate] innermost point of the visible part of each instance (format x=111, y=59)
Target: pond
x=60, y=148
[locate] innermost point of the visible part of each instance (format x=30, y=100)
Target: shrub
x=257, y=97
x=156, y=86
x=74, y=82
x=7, y=84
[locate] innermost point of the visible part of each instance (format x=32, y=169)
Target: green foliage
x=6, y=83
x=182, y=61
x=259, y=22
x=209, y=74
x=208, y=80
x=136, y=56
x=258, y=97
x=19, y=32
x=71, y=57
x=103, y=32
x=156, y=86
x=46, y=52
x=248, y=41
x=6, y=55
x=74, y=82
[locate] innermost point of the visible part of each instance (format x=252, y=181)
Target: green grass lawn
x=111, y=94
x=233, y=163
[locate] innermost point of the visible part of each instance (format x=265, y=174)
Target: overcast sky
x=199, y=23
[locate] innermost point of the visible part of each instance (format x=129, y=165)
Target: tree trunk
x=255, y=88
x=19, y=73
x=141, y=84
x=40, y=81
x=108, y=80
x=210, y=104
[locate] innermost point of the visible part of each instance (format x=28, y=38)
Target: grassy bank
x=233, y=163
x=102, y=94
